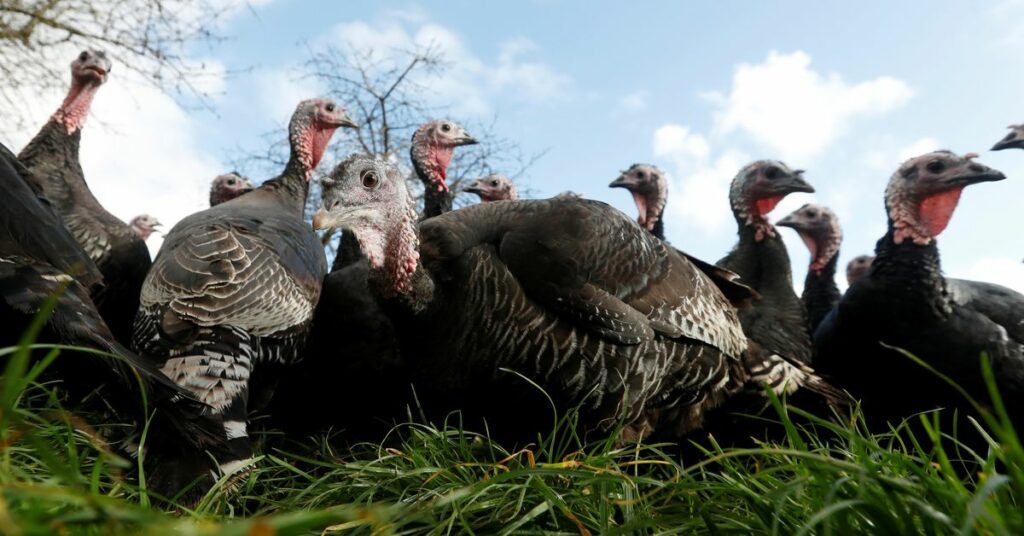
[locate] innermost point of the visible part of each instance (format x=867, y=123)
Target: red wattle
x=767, y=204
x=936, y=210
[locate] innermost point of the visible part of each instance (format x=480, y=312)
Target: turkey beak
x=1009, y=143
x=974, y=174
x=621, y=182
x=794, y=183
x=465, y=139
x=792, y=221
x=347, y=122
x=321, y=219
x=476, y=187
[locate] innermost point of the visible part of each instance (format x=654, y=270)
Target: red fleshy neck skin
x=812, y=247
x=310, y=147
x=921, y=221
x=935, y=211
x=437, y=165
x=767, y=204
x=757, y=216
x=641, y=207
x=75, y=108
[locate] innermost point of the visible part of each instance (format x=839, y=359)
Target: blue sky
x=845, y=91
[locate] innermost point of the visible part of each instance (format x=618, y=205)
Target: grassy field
x=58, y=477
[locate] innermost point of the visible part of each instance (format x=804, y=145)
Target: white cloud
x=788, y=107
x=280, y=91
x=468, y=80
x=1010, y=14
x=886, y=157
x=699, y=187
x=1000, y=270
x=634, y=102
x=678, y=143
x=141, y=152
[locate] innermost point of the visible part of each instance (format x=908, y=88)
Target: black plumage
x=232, y=291
x=819, y=228
x=777, y=321
x=52, y=161
x=40, y=263
x=567, y=292
x=904, y=301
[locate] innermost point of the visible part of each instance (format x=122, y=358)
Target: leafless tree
x=383, y=91
x=150, y=37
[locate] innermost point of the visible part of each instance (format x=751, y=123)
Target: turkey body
x=52, y=164
x=905, y=302
x=41, y=265
x=578, y=299
x=226, y=306
x=777, y=320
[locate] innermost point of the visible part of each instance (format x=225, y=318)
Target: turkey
x=144, y=225
x=230, y=297
x=649, y=188
x=819, y=228
x=433, y=144
x=493, y=188
x=567, y=292
x=1013, y=140
x=904, y=301
x=227, y=187
x=857, y=267
x=53, y=166
x=777, y=321
x=39, y=260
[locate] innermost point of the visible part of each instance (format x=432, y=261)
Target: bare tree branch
x=149, y=37
x=385, y=93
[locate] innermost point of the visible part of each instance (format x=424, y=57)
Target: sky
x=845, y=91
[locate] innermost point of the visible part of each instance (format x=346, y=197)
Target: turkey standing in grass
x=227, y=187
x=857, y=267
x=567, y=292
x=1013, y=140
x=41, y=265
x=144, y=225
x=819, y=228
x=649, y=188
x=904, y=301
x=493, y=188
x=53, y=166
x=230, y=297
x=777, y=321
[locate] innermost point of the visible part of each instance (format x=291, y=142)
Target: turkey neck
x=391, y=247
x=820, y=292
x=292, y=185
x=763, y=265
x=52, y=158
x=912, y=274
x=659, y=227
x=432, y=173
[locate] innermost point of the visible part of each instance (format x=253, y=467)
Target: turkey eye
x=936, y=166
x=640, y=174
x=83, y=56
x=369, y=178
x=771, y=172
x=446, y=127
x=231, y=182
x=812, y=214
x=494, y=183
x=330, y=107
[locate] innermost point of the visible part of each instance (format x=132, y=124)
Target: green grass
x=57, y=476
